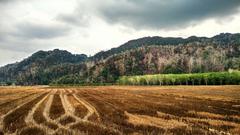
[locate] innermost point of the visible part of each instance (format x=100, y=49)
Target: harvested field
x=56, y=109
x=120, y=110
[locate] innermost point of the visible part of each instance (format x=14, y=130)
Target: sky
x=90, y=26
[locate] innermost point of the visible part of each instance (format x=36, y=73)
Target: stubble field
x=120, y=110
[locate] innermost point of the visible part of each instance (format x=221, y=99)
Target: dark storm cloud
x=165, y=14
x=36, y=31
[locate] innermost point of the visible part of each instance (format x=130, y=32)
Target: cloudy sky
x=89, y=26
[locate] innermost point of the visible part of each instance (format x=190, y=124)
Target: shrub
x=212, y=78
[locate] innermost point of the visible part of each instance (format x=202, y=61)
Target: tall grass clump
x=212, y=78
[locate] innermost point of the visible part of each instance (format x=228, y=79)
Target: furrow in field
x=61, y=104
x=40, y=119
x=30, y=121
x=91, y=109
x=70, y=112
x=16, y=97
x=46, y=113
x=6, y=110
x=6, y=107
x=69, y=116
x=14, y=120
x=15, y=91
x=66, y=105
x=56, y=108
x=84, y=123
x=46, y=110
x=73, y=105
x=11, y=97
x=80, y=109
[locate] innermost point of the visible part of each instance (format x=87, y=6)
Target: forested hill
x=42, y=66
x=149, y=55
x=221, y=39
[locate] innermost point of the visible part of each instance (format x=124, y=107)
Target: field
x=120, y=110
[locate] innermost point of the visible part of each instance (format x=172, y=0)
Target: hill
x=42, y=67
x=176, y=55
x=193, y=57
x=221, y=39
x=148, y=55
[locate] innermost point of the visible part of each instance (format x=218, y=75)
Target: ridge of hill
x=148, y=55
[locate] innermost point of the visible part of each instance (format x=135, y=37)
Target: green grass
x=212, y=78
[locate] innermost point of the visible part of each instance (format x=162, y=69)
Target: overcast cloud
x=166, y=14
x=81, y=26
x=38, y=31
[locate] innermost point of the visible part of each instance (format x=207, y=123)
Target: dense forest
x=149, y=55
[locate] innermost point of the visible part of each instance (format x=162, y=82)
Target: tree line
x=211, y=78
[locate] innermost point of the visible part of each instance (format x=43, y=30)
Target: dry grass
x=92, y=129
x=15, y=120
x=206, y=115
x=154, y=121
x=56, y=109
x=10, y=97
x=9, y=105
x=40, y=119
x=66, y=120
x=80, y=110
x=32, y=131
x=38, y=115
x=122, y=110
x=167, y=103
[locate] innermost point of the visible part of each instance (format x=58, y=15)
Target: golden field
x=120, y=110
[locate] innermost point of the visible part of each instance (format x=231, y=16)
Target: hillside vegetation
x=190, y=58
x=42, y=67
x=214, y=78
x=149, y=55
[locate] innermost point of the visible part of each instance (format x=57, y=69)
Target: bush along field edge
x=231, y=77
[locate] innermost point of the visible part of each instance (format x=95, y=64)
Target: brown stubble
x=111, y=102
x=125, y=110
